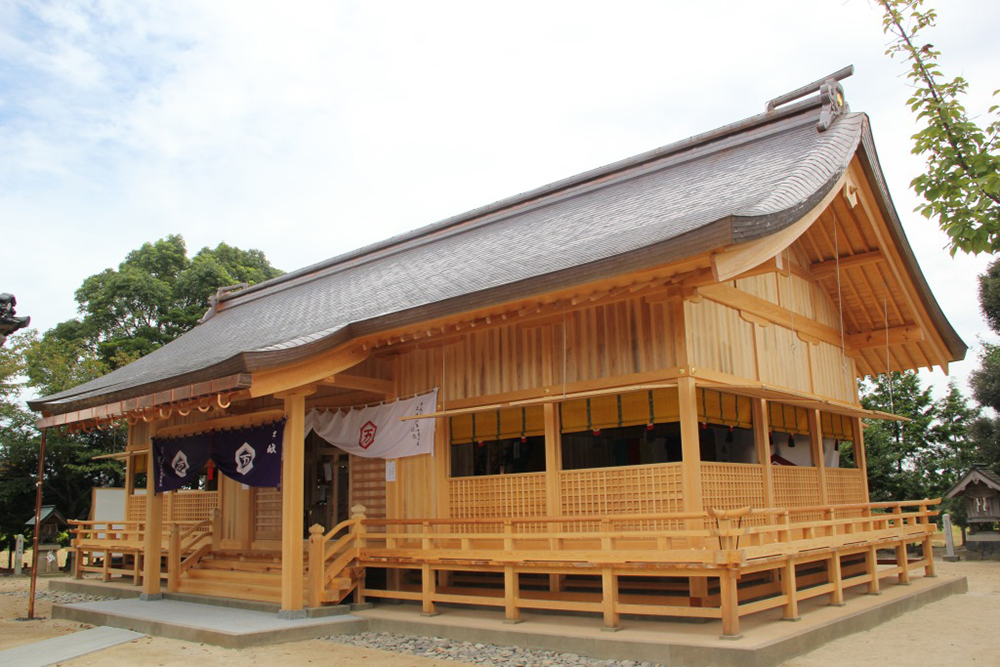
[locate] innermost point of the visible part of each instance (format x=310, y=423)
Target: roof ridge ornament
x=220, y=295
x=831, y=96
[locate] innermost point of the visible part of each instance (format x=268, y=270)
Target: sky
x=306, y=129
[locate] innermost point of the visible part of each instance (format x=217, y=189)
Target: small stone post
x=18, y=555
x=949, y=540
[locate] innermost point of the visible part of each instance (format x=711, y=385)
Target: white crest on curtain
x=377, y=432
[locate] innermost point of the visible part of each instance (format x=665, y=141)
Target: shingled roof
x=732, y=185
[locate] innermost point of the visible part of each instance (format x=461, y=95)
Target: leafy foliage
x=962, y=183
x=893, y=449
x=155, y=294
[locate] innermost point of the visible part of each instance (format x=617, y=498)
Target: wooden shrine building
x=980, y=487
x=646, y=400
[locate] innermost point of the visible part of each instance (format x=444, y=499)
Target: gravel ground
x=479, y=654
x=58, y=597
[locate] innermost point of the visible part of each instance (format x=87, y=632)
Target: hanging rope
x=888, y=369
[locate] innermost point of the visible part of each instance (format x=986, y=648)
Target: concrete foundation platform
x=127, y=591
x=766, y=641
x=227, y=627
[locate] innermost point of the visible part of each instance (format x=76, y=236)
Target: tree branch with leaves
x=961, y=185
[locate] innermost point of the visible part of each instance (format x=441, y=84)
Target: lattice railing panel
x=796, y=487
x=844, y=486
x=728, y=486
x=191, y=506
x=497, y=496
x=649, y=489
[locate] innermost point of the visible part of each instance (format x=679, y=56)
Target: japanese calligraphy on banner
x=251, y=456
x=179, y=461
x=377, y=432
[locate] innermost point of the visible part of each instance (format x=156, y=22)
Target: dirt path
x=960, y=630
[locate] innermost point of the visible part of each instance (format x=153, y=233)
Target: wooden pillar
x=292, y=463
x=929, y=569
x=511, y=593
x=142, y=433
x=553, y=477
x=833, y=567
x=903, y=562
x=690, y=445
x=553, y=459
x=789, y=588
x=129, y=474
x=860, y=457
x=427, y=590
x=730, y=603
x=762, y=442
x=691, y=473
x=174, y=558
x=609, y=585
x=816, y=445
x=871, y=567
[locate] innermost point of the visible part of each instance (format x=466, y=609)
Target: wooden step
x=232, y=575
x=228, y=589
x=228, y=564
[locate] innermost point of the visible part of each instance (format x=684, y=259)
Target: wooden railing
x=331, y=557
x=715, y=544
x=92, y=540
x=189, y=542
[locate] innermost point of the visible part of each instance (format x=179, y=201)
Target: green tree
x=155, y=294
x=895, y=449
x=961, y=185
x=985, y=380
x=70, y=470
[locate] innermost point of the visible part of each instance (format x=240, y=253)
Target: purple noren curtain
x=251, y=456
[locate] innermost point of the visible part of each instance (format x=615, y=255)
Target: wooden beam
x=910, y=333
x=316, y=369
x=235, y=421
x=371, y=385
x=828, y=268
x=743, y=257
x=727, y=295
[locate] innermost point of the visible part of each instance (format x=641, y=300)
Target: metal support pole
x=38, y=514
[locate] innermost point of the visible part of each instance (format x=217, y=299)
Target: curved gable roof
x=734, y=184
